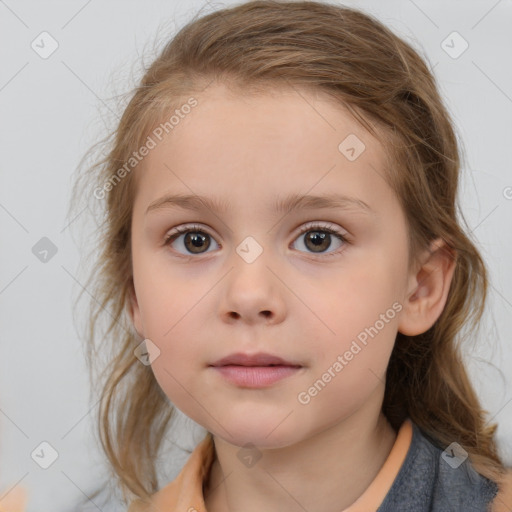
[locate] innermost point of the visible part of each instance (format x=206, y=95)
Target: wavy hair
x=358, y=62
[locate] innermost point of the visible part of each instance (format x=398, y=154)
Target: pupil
x=318, y=239
x=197, y=240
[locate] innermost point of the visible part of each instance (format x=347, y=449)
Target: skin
x=301, y=305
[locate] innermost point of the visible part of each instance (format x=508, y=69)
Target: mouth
x=255, y=371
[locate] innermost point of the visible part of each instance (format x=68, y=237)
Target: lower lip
x=255, y=376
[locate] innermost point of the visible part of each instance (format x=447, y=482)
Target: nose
x=266, y=314
x=253, y=294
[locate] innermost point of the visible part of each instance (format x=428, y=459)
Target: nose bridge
x=252, y=289
x=251, y=259
x=251, y=234
x=250, y=250
x=254, y=241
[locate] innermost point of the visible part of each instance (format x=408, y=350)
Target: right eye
x=195, y=240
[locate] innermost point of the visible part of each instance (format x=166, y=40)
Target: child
x=328, y=378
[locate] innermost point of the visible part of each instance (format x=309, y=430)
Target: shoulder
x=436, y=479
x=480, y=491
x=503, y=500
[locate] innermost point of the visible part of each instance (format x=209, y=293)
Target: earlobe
x=428, y=292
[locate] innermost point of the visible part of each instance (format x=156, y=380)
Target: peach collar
x=185, y=492
x=374, y=495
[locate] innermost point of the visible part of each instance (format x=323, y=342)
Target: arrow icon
x=454, y=455
x=44, y=455
x=44, y=44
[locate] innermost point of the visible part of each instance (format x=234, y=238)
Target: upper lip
x=260, y=359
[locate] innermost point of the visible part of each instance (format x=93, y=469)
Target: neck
x=325, y=472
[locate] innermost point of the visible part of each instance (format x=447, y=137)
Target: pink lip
x=255, y=376
x=260, y=359
x=254, y=371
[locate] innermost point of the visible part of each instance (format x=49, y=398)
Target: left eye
x=197, y=240
x=318, y=238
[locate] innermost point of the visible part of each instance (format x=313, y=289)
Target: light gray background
x=51, y=113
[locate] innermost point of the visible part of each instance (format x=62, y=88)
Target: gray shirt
x=426, y=482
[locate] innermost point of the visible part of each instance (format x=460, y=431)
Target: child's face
x=206, y=296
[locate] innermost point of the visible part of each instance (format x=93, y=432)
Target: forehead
x=287, y=139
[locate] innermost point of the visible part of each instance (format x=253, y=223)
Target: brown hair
x=387, y=86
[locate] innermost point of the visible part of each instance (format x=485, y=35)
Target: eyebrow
x=280, y=205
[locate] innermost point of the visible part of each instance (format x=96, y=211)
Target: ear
x=428, y=289
x=134, y=312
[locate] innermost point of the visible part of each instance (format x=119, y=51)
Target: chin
x=261, y=434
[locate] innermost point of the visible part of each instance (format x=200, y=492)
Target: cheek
x=169, y=310
x=166, y=299
x=359, y=318
x=347, y=372
x=180, y=359
x=179, y=370
x=360, y=297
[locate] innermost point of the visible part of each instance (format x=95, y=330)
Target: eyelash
x=308, y=227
